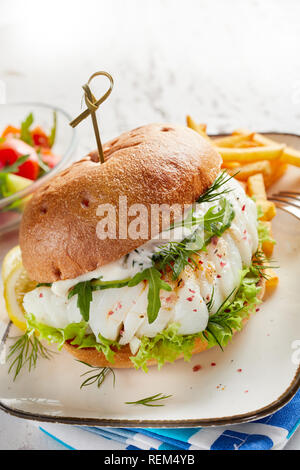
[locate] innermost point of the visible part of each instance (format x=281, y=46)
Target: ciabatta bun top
x=153, y=164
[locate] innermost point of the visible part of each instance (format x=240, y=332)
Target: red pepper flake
x=207, y=297
x=121, y=332
x=119, y=305
x=244, y=232
x=200, y=262
x=246, y=391
x=219, y=255
x=197, y=367
x=195, y=310
x=245, y=238
x=239, y=370
x=168, y=299
x=110, y=312
x=244, y=207
x=41, y=295
x=222, y=264
x=219, y=276
x=192, y=291
x=190, y=299
x=213, y=364
x=257, y=309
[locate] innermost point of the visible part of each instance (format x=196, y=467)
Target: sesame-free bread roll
x=153, y=164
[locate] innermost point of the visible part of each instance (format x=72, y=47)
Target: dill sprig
x=99, y=377
x=26, y=350
x=176, y=256
x=148, y=401
x=222, y=316
x=261, y=263
x=213, y=193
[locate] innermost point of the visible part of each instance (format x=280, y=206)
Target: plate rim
x=260, y=413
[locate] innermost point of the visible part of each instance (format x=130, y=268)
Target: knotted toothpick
x=92, y=105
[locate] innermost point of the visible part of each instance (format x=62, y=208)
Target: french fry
x=256, y=187
x=230, y=165
x=289, y=154
x=267, y=246
x=247, y=155
x=250, y=169
x=268, y=209
x=277, y=171
x=247, y=144
x=200, y=128
x=233, y=140
x=272, y=278
x=241, y=130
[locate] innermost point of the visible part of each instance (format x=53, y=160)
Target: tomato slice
x=39, y=137
x=29, y=169
x=7, y=157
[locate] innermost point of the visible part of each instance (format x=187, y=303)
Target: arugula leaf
x=156, y=284
x=85, y=296
x=53, y=130
x=14, y=166
x=44, y=168
x=25, y=132
x=97, y=284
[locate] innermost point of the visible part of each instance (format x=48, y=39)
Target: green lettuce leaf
x=264, y=233
x=76, y=333
x=164, y=347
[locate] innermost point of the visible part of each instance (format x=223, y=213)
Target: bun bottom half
x=122, y=356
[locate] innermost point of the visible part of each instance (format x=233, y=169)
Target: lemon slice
x=16, y=283
x=11, y=260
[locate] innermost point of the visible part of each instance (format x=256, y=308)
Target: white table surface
x=230, y=64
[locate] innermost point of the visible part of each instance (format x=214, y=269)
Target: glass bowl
x=11, y=207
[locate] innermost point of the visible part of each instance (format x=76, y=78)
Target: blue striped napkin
x=272, y=432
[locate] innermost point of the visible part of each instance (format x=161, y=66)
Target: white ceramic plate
x=253, y=377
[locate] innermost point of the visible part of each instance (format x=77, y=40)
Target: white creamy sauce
x=122, y=312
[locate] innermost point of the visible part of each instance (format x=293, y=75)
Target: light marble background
x=228, y=63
